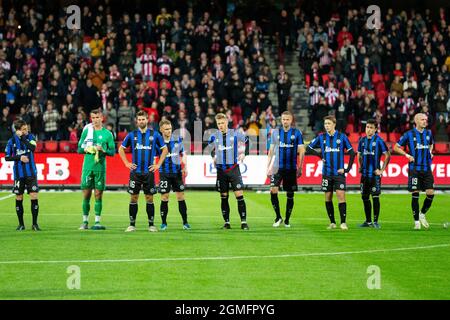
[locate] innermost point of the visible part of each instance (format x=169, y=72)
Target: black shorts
x=371, y=185
x=171, y=181
x=146, y=181
x=420, y=180
x=333, y=183
x=288, y=178
x=29, y=182
x=225, y=178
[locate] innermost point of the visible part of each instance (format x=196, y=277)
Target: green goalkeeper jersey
x=104, y=138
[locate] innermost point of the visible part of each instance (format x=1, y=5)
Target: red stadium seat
x=383, y=135
x=51, y=146
x=39, y=146
x=139, y=49
x=353, y=137
x=376, y=78
x=441, y=147
x=394, y=137
x=325, y=80
x=121, y=136
x=350, y=128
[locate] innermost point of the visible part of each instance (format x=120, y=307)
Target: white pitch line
x=293, y=255
x=7, y=197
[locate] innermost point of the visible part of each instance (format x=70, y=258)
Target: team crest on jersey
x=238, y=186
x=175, y=145
x=34, y=188
x=374, y=144
x=135, y=138
x=100, y=137
x=232, y=139
x=292, y=137
x=182, y=187
x=151, y=138
x=374, y=189
x=428, y=137
x=341, y=186
x=338, y=141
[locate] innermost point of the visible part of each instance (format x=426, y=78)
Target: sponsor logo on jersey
x=142, y=147
x=223, y=148
x=329, y=149
x=369, y=153
x=286, y=145
x=420, y=146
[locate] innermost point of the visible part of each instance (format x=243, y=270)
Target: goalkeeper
x=96, y=143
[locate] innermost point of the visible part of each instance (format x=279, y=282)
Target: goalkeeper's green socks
x=86, y=208
x=98, y=207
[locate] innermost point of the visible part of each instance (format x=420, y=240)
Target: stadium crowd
x=191, y=66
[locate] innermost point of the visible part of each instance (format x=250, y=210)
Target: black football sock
x=150, y=213
x=19, y=211
x=225, y=206
x=415, y=205
x=164, y=210
x=343, y=211
x=427, y=203
x=376, y=207
x=289, y=206
x=132, y=212
x=367, y=208
x=242, y=208
x=35, y=210
x=183, y=210
x=330, y=211
x=275, y=204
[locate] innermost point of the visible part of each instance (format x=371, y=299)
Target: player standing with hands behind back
x=420, y=177
x=370, y=149
x=20, y=149
x=145, y=144
x=332, y=145
x=229, y=149
x=284, y=165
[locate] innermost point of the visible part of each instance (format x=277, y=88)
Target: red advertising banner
x=64, y=169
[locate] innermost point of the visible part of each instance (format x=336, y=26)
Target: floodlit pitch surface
x=303, y=262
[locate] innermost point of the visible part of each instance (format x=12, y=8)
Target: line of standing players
x=228, y=148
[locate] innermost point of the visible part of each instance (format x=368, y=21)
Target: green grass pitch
x=303, y=262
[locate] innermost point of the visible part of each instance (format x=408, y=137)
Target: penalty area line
x=293, y=255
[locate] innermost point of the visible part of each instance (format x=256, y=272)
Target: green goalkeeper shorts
x=93, y=180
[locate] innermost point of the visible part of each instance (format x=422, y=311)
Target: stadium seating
x=383, y=135
x=441, y=147
x=394, y=137
x=353, y=137
x=51, y=146
x=67, y=146
x=121, y=136
x=39, y=146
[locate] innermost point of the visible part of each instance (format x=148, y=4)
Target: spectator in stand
x=110, y=115
x=393, y=117
x=442, y=126
x=6, y=122
x=96, y=46
x=67, y=120
x=51, y=118
x=125, y=114
x=341, y=113
x=321, y=111
x=148, y=63
x=284, y=85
